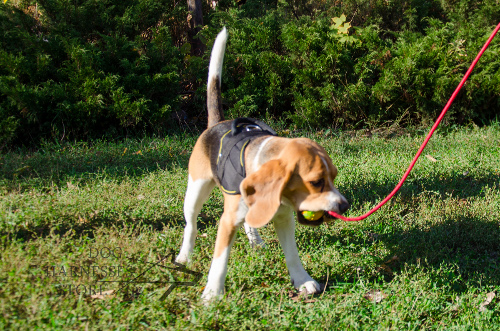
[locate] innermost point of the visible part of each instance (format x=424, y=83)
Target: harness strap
x=231, y=158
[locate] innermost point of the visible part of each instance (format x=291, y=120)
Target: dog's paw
x=209, y=295
x=258, y=245
x=182, y=258
x=309, y=287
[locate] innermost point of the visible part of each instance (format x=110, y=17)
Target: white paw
x=210, y=295
x=258, y=245
x=310, y=287
x=182, y=258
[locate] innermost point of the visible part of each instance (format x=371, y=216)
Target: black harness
x=231, y=157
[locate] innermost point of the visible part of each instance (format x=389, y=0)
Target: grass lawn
x=73, y=216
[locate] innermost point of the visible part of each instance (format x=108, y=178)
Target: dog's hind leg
x=253, y=236
x=197, y=194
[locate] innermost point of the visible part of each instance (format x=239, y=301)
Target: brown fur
x=262, y=192
x=227, y=229
x=214, y=102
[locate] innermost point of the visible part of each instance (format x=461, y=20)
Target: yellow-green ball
x=312, y=215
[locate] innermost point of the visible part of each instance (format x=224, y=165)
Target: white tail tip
x=217, y=57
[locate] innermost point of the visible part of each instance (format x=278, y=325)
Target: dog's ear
x=262, y=191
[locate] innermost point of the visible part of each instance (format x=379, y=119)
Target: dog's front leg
x=230, y=222
x=284, y=223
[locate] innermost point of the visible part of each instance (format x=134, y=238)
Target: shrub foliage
x=86, y=68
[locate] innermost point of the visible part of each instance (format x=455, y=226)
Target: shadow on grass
x=460, y=252
x=458, y=185
x=55, y=166
x=457, y=248
x=455, y=256
x=73, y=227
x=462, y=249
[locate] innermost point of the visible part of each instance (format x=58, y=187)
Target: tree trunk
x=195, y=21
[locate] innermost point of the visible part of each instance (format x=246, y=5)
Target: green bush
x=317, y=76
x=88, y=68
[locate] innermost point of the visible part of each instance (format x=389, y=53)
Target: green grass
x=432, y=253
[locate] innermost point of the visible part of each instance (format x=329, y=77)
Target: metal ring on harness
x=245, y=124
x=252, y=127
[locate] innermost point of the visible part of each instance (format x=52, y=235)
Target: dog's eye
x=318, y=183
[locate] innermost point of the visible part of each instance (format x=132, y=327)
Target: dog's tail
x=214, y=98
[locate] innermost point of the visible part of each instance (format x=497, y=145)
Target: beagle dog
x=279, y=176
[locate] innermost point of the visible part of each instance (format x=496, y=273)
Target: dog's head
x=302, y=177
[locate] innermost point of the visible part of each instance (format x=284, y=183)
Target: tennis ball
x=312, y=215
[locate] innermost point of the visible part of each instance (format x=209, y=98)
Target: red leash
x=362, y=217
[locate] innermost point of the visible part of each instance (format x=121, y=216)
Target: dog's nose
x=343, y=207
